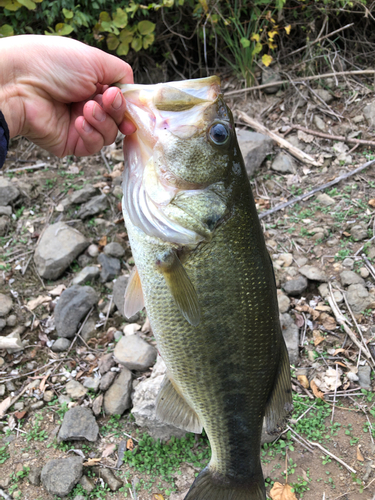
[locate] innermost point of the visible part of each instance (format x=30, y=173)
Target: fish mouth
x=162, y=113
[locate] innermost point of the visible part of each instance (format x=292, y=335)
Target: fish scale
x=230, y=369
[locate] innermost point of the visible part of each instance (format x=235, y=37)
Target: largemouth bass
x=205, y=277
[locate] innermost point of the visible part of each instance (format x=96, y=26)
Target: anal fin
x=172, y=408
x=280, y=403
x=134, y=300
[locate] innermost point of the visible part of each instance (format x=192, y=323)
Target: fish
x=203, y=273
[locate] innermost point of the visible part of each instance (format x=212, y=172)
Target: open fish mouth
x=165, y=115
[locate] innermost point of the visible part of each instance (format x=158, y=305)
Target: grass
x=4, y=455
x=36, y=434
x=14, y=482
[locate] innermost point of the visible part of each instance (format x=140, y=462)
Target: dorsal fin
x=134, y=300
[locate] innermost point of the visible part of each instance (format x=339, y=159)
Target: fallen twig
x=350, y=469
x=368, y=265
x=298, y=153
x=332, y=137
x=315, y=190
x=29, y=167
x=5, y=495
x=306, y=78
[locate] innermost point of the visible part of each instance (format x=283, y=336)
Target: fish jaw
x=167, y=117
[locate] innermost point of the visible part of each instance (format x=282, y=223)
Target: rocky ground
x=78, y=381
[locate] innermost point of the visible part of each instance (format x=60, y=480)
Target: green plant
x=4, y=455
x=36, y=434
x=14, y=480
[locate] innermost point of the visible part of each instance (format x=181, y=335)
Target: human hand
x=54, y=91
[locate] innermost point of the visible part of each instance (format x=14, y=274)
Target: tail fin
x=207, y=487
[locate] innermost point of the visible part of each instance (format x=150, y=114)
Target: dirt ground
x=342, y=465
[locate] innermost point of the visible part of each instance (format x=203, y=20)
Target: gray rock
x=114, y=249
x=111, y=267
x=254, y=148
x=74, y=303
x=6, y=211
x=319, y=123
x=4, y=223
x=135, y=353
x=97, y=405
x=313, y=273
x=270, y=75
x=368, y=111
x=34, y=475
x=325, y=95
x=8, y=191
x=117, y=398
x=108, y=477
x=291, y=336
x=295, y=286
x=84, y=260
x=61, y=345
x=117, y=191
x=88, y=273
x=58, y=247
x=75, y=390
x=37, y=406
x=91, y=383
x=106, y=381
x=106, y=362
x=64, y=399
x=3, y=324
x=144, y=399
x=6, y=304
x=2, y=390
x=60, y=476
x=283, y=163
x=79, y=423
x=283, y=301
x=365, y=273
x=324, y=292
x=86, y=484
x=364, y=375
x=95, y=206
x=80, y=196
x=350, y=278
x=358, y=232
x=12, y=320
x=16, y=334
x=93, y=250
x=349, y=263
x=371, y=252
x=358, y=298
x=119, y=288
x=358, y=119
x=89, y=329
x=325, y=200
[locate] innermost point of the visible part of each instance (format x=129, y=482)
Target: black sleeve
x=4, y=139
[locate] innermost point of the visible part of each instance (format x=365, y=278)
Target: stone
x=6, y=304
x=119, y=288
x=364, y=272
x=313, y=273
x=358, y=298
x=353, y=377
x=16, y=334
x=80, y=497
x=111, y=267
x=254, y=148
x=80, y=196
x=106, y=362
x=108, y=477
x=91, y=383
x=114, y=249
x=8, y=192
x=2, y=390
x=95, y=206
x=86, y=484
x=34, y=475
x=78, y=423
x=291, y=336
x=286, y=258
x=6, y=211
x=368, y=111
x=135, y=353
x=324, y=94
x=350, y=278
x=295, y=286
x=325, y=200
x=364, y=376
x=117, y=398
x=59, y=245
x=3, y=324
x=324, y=292
x=60, y=345
x=106, y=381
x=117, y=192
x=283, y=163
x=270, y=75
x=75, y=390
x=97, y=405
x=38, y=405
x=319, y=123
x=4, y=223
x=63, y=399
x=73, y=305
x=93, y=250
x=283, y=301
x=358, y=119
x=84, y=260
x=48, y=396
x=12, y=320
x=89, y=328
x=358, y=232
x=349, y=263
x=61, y=475
x=88, y=273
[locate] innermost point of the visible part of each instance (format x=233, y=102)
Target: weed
x=50, y=183
x=4, y=455
x=36, y=434
x=15, y=478
x=113, y=426
x=302, y=485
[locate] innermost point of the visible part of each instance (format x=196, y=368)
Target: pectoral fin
x=134, y=301
x=180, y=286
x=172, y=408
x=280, y=401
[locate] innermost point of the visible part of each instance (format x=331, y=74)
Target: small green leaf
x=13, y=5
x=245, y=42
x=148, y=40
x=104, y=16
x=63, y=29
x=68, y=13
x=120, y=18
x=106, y=26
x=146, y=27
x=6, y=30
x=137, y=43
x=112, y=41
x=258, y=48
x=122, y=49
x=29, y=4
x=126, y=36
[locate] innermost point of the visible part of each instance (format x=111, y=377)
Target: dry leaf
x=337, y=351
x=372, y=203
x=20, y=414
x=359, y=455
x=303, y=380
x=103, y=241
x=316, y=391
x=341, y=364
x=108, y=450
x=305, y=308
x=345, y=233
x=302, y=136
x=282, y=492
x=299, y=321
x=317, y=337
x=4, y=405
x=157, y=496
x=129, y=444
x=328, y=322
x=56, y=292
x=34, y=303
x=91, y=462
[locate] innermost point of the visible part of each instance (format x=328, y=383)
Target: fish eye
x=218, y=133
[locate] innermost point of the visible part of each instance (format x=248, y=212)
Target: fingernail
x=117, y=101
x=87, y=127
x=98, y=113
